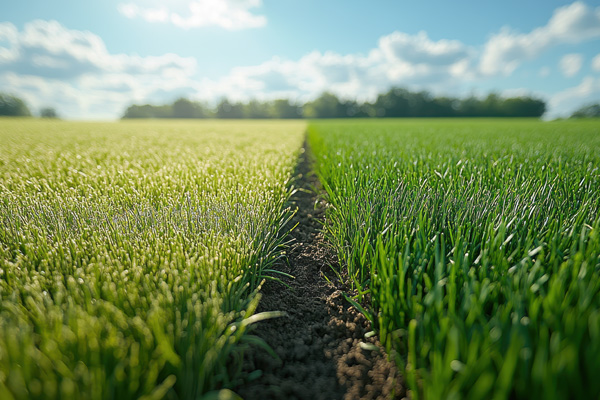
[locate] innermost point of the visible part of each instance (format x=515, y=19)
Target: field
x=131, y=253
x=134, y=256
x=473, y=247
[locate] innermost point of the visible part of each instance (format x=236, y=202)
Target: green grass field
x=131, y=253
x=474, y=248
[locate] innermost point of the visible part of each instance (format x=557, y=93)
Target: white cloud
x=228, y=14
x=570, y=64
x=506, y=50
x=47, y=49
x=419, y=49
x=63, y=61
x=563, y=103
x=129, y=10
x=8, y=40
x=72, y=70
x=49, y=64
x=54, y=62
x=596, y=63
x=398, y=60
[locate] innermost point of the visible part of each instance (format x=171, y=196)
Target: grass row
x=131, y=253
x=474, y=247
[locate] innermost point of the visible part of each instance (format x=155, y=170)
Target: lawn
x=473, y=247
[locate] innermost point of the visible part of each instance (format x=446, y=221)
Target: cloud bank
x=49, y=64
x=228, y=14
x=571, y=24
x=570, y=64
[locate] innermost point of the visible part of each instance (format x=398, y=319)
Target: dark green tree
x=397, y=102
x=394, y=103
x=13, y=106
x=443, y=107
x=589, y=111
x=256, y=109
x=282, y=108
x=48, y=112
x=226, y=109
x=469, y=107
x=492, y=106
x=148, y=111
x=523, y=107
x=184, y=108
x=325, y=106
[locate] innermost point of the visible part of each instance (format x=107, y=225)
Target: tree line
x=396, y=103
x=587, y=111
x=13, y=106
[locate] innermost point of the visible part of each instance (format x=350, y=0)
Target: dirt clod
x=318, y=343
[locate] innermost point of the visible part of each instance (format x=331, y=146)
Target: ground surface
x=318, y=344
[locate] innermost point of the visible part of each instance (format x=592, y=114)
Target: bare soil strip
x=318, y=344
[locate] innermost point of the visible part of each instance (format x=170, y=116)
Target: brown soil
x=318, y=343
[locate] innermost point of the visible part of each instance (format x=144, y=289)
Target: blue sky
x=91, y=59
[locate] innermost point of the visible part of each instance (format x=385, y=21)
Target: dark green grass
x=474, y=246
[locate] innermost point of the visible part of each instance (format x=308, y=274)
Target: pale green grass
x=131, y=253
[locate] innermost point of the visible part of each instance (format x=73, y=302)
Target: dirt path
x=318, y=343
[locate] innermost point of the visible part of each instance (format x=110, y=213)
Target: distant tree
x=256, y=109
x=148, y=111
x=325, y=106
x=164, y=111
x=396, y=102
x=137, y=111
x=225, y=109
x=589, y=111
x=443, y=107
x=353, y=109
x=184, y=108
x=283, y=109
x=13, y=106
x=523, y=107
x=48, y=112
x=420, y=104
x=495, y=106
x=469, y=107
x=492, y=106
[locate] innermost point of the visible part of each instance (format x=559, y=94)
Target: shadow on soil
x=318, y=343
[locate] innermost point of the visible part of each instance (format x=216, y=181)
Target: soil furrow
x=318, y=343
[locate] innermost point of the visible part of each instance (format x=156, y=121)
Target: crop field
x=131, y=253
x=474, y=249
x=134, y=256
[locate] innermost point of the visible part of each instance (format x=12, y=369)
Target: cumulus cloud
x=8, y=41
x=570, y=64
x=228, y=14
x=419, y=49
x=399, y=59
x=47, y=49
x=48, y=63
x=506, y=50
x=596, y=63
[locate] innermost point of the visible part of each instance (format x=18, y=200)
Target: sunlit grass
x=475, y=247
x=131, y=253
